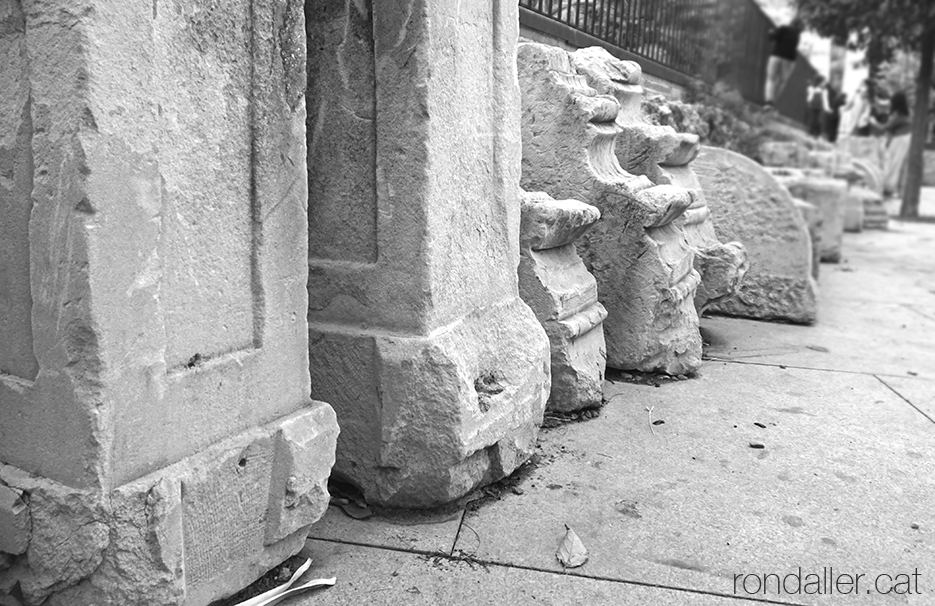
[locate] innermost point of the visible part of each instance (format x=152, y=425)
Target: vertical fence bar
x=673, y=33
x=623, y=25
x=638, y=25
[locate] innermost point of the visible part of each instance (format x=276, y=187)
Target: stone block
x=871, y=176
x=438, y=371
x=792, y=154
x=875, y=215
x=153, y=196
x=830, y=196
x=750, y=206
x=638, y=252
x=554, y=282
x=14, y=521
x=853, y=211
x=664, y=156
x=187, y=534
x=812, y=216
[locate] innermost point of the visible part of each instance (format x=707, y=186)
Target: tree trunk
x=916, y=160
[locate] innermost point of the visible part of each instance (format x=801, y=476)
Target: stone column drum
x=829, y=195
x=812, y=216
x=158, y=444
x=637, y=251
x=438, y=371
x=554, y=282
x=664, y=155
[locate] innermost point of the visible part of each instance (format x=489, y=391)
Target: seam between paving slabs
x=473, y=560
x=793, y=367
x=454, y=544
x=904, y=398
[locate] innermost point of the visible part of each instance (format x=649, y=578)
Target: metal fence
x=709, y=40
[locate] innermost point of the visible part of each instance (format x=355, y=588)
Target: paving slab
x=426, y=532
x=919, y=392
x=876, y=312
x=377, y=576
x=870, y=338
x=843, y=480
x=884, y=265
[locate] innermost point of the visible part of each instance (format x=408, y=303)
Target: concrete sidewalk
x=672, y=513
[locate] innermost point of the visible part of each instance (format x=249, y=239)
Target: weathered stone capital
x=687, y=147
x=548, y=223
x=663, y=204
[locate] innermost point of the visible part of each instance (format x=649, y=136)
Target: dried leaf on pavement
x=572, y=552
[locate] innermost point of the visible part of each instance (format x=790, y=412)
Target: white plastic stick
x=291, y=592
x=264, y=598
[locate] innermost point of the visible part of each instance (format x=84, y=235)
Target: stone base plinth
x=427, y=418
x=188, y=534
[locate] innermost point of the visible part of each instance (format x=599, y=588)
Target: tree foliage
x=908, y=25
x=858, y=22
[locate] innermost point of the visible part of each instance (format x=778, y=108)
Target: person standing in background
x=898, y=132
x=782, y=58
x=818, y=105
x=855, y=118
x=833, y=120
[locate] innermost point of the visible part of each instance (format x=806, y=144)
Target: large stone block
x=554, y=282
x=664, y=155
x=153, y=328
x=749, y=205
x=638, y=252
x=829, y=195
x=438, y=371
x=186, y=534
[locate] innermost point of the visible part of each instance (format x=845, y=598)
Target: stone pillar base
x=188, y=534
x=427, y=418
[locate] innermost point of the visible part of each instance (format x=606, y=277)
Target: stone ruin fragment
x=554, y=282
x=664, y=155
x=438, y=371
x=812, y=216
x=638, y=251
x=855, y=160
x=749, y=205
x=158, y=444
x=875, y=215
x=829, y=195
